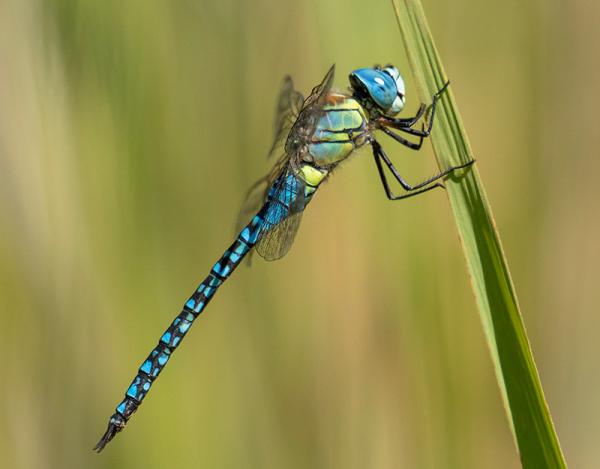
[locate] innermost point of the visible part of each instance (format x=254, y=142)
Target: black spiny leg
x=410, y=121
x=388, y=191
x=403, y=141
x=405, y=125
x=419, y=188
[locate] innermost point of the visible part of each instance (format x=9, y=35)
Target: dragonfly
x=314, y=135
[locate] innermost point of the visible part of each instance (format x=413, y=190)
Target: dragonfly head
x=381, y=89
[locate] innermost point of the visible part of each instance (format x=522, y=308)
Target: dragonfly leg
x=403, y=141
x=419, y=188
x=416, y=132
x=405, y=125
x=409, y=121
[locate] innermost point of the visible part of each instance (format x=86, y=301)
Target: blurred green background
x=129, y=132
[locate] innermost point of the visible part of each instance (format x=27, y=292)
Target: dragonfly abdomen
x=172, y=337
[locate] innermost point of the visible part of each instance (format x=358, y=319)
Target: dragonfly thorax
x=340, y=129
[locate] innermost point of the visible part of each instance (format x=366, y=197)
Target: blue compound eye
x=395, y=74
x=385, y=87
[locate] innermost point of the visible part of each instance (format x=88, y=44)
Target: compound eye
x=380, y=86
x=400, y=86
x=392, y=71
x=397, y=105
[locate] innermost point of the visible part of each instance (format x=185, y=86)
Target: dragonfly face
x=379, y=90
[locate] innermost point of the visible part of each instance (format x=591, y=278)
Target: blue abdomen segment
x=286, y=197
x=172, y=337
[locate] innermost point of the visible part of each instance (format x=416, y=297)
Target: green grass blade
x=516, y=373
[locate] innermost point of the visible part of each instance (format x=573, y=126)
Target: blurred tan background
x=129, y=132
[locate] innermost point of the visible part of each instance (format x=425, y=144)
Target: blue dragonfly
x=316, y=134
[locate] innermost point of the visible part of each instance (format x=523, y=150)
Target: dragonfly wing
x=319, y=93
x=297, y=117
x=296, y=114
x=282, y=218
x=277, y=241
x=306, y=122
x=253, y=200
x=258, y=192
x=288, y=107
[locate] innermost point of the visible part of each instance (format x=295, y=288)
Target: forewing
x=281, y=224
x=306, y=122
x=277, y=241
x=288, y=107
x=257, y=194
x=319, y=93
x=282, y=218
x=253, y=201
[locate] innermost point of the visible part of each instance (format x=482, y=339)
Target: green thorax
x=339, y=131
